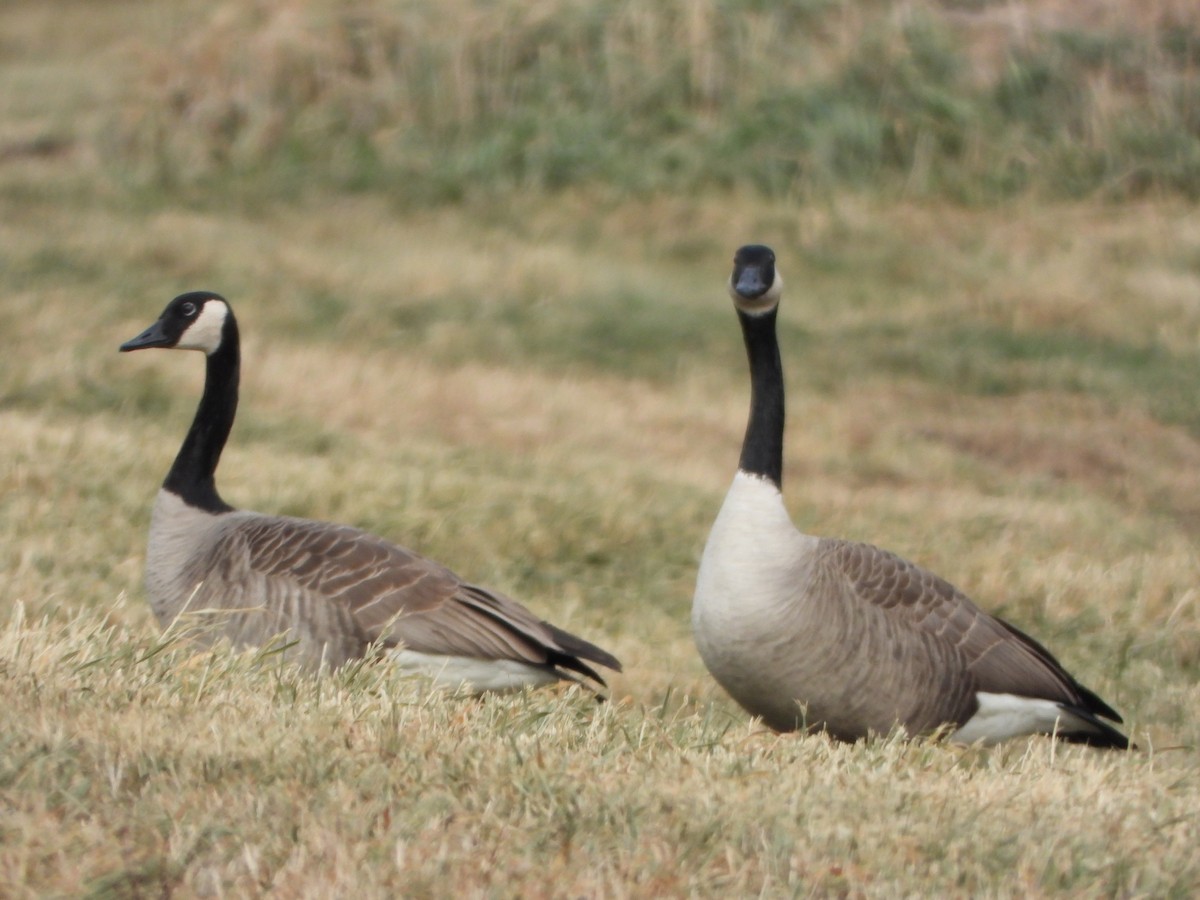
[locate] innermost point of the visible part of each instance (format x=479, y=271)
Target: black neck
x=192, y=473
x=762, y=448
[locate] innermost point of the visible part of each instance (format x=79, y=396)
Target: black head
x=754, y=285
x=192, y=321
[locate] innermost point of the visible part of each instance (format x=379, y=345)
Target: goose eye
x=188, y=309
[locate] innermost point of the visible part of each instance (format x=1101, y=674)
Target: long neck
x=762, y=448
x=192, y=473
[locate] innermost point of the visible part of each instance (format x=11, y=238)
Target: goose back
x=334, y=590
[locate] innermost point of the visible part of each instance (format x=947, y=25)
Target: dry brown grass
x=391, y=789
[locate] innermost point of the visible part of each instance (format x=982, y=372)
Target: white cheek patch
x=772, y=296
x=759, y=305
x=205, y=333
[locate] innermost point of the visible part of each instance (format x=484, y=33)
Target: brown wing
x=394, y=596
x=951, y=647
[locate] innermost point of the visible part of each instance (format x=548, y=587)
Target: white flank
x=1003, y=716
x=205, y=333
x=477, y=675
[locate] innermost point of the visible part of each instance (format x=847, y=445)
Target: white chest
x=178, y=533
x=747, y=586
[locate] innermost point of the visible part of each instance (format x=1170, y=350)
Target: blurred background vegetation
x=967, y=100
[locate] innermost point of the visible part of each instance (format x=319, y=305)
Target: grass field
x=542, y=385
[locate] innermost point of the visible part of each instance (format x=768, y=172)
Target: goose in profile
x=828, y=635
x=335, y=591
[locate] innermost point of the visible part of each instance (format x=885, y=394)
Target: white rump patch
x=205, y=333
x=1003, y=716
x=477, y=675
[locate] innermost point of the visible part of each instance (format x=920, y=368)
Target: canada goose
x=824, y=634
x=334, y=590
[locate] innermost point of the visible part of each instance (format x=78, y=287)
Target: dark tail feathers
x=1105, y=736
x=575, y=650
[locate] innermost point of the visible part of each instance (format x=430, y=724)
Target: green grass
x=545, y=389
x=985, y=360
x=620, y=330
